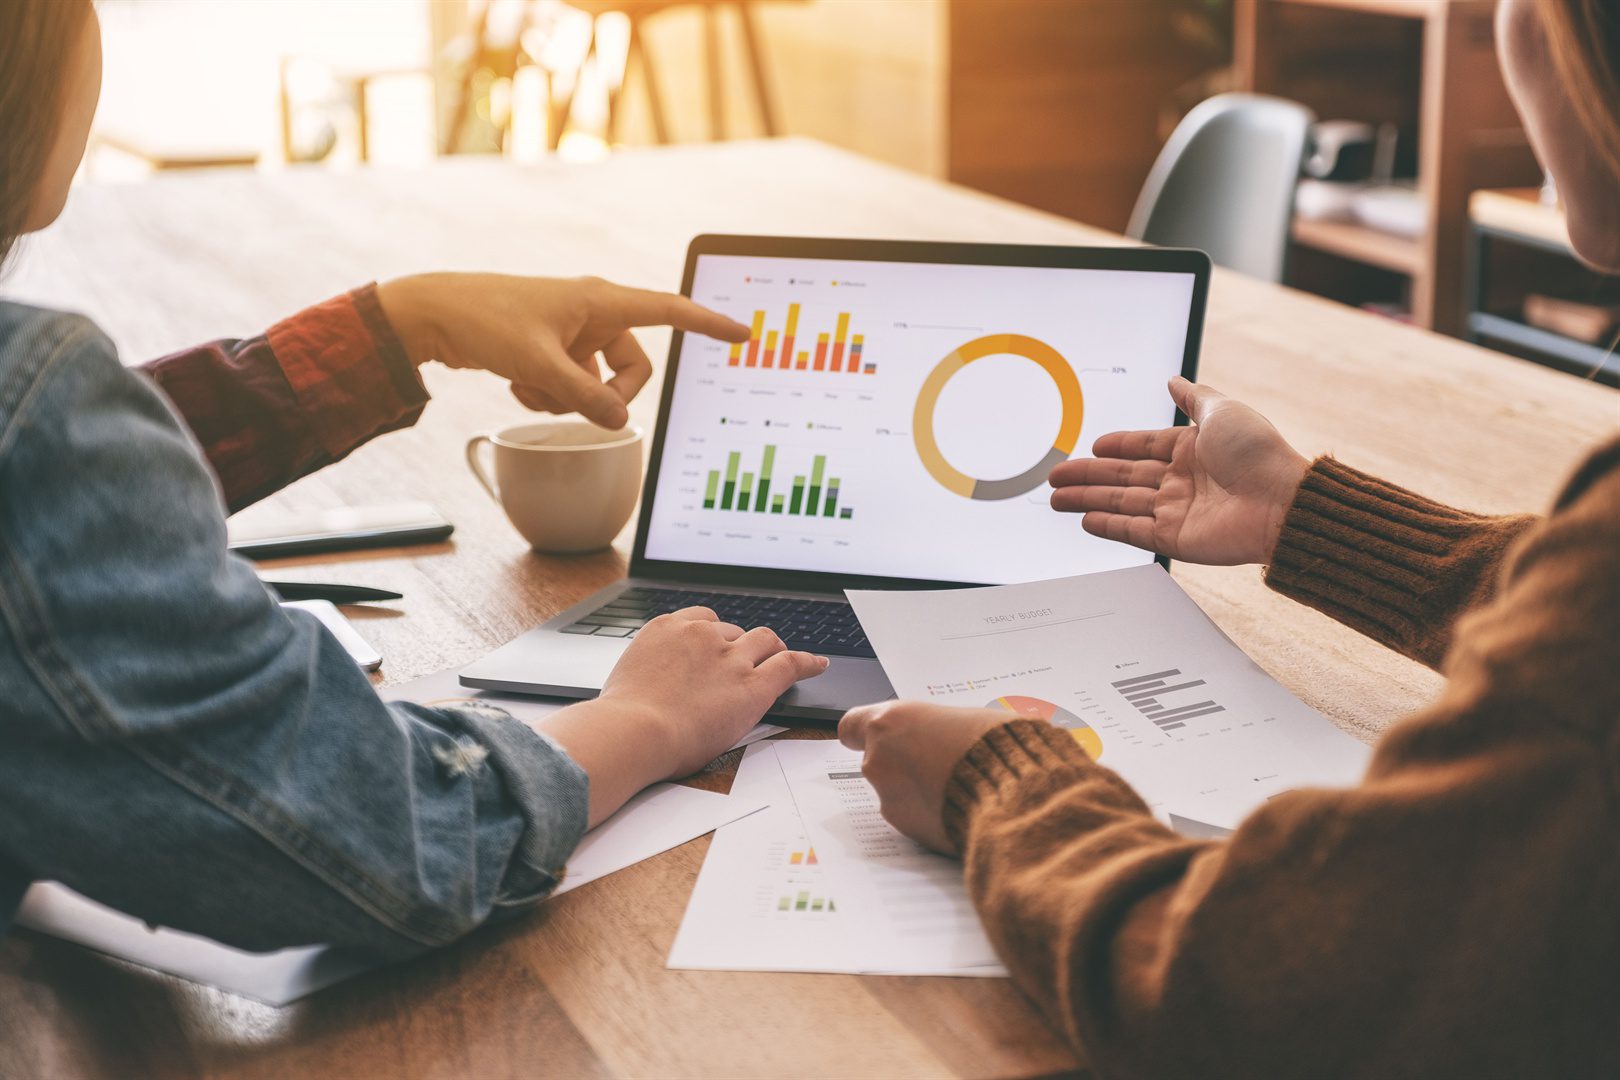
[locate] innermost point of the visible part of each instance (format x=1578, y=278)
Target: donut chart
x=1039, y=709
x=1068, y=436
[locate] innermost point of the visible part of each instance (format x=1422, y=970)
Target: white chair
x=1224, y=183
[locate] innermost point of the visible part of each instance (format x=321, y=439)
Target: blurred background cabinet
x=1428, y=67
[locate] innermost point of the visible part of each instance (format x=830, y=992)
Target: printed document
x=1133, y=669
x=824, y=893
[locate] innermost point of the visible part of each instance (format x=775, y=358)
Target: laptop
x=890, y=423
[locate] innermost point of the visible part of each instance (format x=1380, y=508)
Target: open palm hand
x=1215, y=492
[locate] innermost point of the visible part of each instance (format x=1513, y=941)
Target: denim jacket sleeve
x=175, y=744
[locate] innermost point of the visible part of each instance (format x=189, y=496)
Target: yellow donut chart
x=1068, y=436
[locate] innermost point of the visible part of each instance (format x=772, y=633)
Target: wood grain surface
x=580, y=988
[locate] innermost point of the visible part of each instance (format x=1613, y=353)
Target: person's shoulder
x=34, y=340
x=25, y=328
x=45, y=353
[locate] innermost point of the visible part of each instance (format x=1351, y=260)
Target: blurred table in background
x=580, y=988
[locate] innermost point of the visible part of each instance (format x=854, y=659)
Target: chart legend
x=836, y=352
x=808, y=496
x=1148, y=694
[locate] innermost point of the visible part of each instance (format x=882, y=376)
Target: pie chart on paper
x=1037, y=709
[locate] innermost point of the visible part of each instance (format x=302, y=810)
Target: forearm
x=619, y=752
x=1387, y=562
x=272, y=408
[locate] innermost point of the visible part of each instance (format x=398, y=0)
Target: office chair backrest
x=1225, y=182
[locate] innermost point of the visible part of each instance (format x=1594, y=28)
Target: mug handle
x=475, y=462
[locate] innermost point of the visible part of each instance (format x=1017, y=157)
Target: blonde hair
x=37, y=39
x=1584, y=39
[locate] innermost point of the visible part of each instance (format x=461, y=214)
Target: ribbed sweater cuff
x=1366, y=552
x=998, y=761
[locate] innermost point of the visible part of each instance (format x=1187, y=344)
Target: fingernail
x=824, y=661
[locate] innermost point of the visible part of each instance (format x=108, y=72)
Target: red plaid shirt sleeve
x=270, y=409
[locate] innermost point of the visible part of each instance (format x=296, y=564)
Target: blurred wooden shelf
x=1428, y=67
x=1555, y=350
x=1519, y=254
x=1520, y=212
x=1354, y=241
x=1405, y=9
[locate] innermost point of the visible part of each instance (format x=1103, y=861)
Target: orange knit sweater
x=1455, y=915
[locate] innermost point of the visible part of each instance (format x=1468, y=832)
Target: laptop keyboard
x=828, y=627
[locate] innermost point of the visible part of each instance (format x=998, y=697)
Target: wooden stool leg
x=762, y=93
x=615, y=93
x=655, y=102
x=362, y=117
x=560, y=114
x=461, y=111
x=715, y=71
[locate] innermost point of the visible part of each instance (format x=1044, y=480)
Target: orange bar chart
x=837, y=351
x=787, y=335
x=753, y=342
x=838, y=342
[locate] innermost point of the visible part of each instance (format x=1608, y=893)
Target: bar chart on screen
x=835, y=352
x=813, y=493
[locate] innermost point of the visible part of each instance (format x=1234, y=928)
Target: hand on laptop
x=687, y=688
x=1215, y=492
x=543, y=334
x=912, y=748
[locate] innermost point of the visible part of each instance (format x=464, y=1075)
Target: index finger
x=646, y=307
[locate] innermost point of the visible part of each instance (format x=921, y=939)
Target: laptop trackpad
x=846, y=683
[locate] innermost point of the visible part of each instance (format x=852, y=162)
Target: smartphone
x=344, y=529
x=363, y=654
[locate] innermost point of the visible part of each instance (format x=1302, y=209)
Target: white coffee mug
x=568, y=486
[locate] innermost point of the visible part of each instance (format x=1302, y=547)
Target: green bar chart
x=811, y=494
x=731, y=483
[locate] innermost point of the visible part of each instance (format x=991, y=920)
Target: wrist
x=633, y=732
x=407, y=304
x=1290, y=477
x=613, y=742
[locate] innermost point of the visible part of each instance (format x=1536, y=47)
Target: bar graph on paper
x=837, y=352
x=762, y=491
x=809, y=899
x=1168, y=698
x=797, y=886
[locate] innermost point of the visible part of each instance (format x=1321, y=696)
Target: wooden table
x=581, y=988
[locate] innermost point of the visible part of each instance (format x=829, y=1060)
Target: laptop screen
x=899, y=420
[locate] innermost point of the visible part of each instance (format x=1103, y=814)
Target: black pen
x=337, y=594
